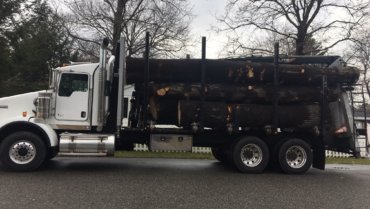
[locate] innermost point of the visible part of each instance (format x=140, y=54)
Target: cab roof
x=82, y=68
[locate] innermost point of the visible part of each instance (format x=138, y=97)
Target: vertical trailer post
x=276, y=88
x=365, y=124
x=319, y=147
x=121, y=83
x=353, y=126
x=146, y=77
x=203, y=83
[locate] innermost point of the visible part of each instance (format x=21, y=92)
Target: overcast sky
x=204, y=18
x=205, y=12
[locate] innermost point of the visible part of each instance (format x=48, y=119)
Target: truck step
x=74, y=154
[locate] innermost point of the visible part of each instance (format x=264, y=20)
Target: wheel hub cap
x=22, y=152
x=251, y=155
x=296, y=157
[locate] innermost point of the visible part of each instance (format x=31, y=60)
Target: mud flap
x=319, y=155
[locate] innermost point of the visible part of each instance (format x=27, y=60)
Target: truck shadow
x=144, y=165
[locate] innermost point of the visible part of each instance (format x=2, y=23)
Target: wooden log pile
x=236, y=72
x=237, y=93
x=219, y=114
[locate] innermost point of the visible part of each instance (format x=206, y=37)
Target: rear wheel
x=22, y=151
x=274, y=154
x=250, y=155
x=295, y=156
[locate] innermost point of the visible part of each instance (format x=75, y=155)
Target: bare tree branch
x=167, y=21
x=306, y=19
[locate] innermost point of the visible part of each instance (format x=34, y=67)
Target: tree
x=37, y=42
x=360, y=56
x=167, y=21
x=8, y=8
x=265, y=46
x=297, y=20
x=4, y=59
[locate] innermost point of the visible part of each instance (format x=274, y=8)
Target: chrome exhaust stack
x=102, y=79
x=121, y=83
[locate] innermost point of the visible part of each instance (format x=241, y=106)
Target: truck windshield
x=70, y=83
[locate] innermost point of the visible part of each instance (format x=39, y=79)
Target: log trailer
x=251, y=111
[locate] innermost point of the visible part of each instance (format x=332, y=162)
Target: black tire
x=250, y=155
x=274, y=154
x=22, y=151
x=220, y=154
x=295, y=156
x=50, y=156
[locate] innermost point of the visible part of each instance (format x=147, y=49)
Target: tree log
x=218, y=115
x=237, y=72
x=259, y=94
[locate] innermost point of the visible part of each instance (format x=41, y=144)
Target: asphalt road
x=173, y=183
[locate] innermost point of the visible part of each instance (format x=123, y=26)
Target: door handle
x=83, y=114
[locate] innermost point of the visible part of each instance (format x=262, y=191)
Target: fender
x=46, y=132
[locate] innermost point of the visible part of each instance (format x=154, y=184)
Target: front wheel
x=250, y=155
x=295, y=156
x=22, y=151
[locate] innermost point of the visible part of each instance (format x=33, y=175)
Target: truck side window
x=70, y=83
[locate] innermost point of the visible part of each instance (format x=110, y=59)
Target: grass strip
x=349, y=160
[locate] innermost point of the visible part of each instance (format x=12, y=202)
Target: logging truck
x=251, y=111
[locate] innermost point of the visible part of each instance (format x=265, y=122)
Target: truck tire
x=274, y=154
x=295, y=156
x=220, y=154
x=22, y=151
x=250, y=155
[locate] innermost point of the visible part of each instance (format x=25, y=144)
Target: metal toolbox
x=170, y=142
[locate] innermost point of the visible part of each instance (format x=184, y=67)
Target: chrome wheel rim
x=251, y=155
x=22, y=152
x=296, y=157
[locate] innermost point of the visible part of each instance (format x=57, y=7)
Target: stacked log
x=257, y=94
x=236, y=72
x=219, y=114
x=237, y=93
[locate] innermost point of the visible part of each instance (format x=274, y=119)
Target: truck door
x=72, y=102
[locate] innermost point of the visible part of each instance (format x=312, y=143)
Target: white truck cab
x=38, y=125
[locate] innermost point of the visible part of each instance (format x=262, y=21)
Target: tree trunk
x=117, y=23
x=299, y=45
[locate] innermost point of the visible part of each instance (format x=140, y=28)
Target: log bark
x=237, y=72
x=259, y=94
x=218, y=115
